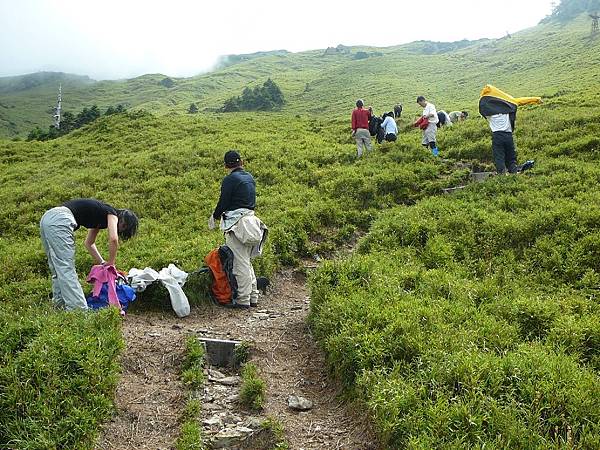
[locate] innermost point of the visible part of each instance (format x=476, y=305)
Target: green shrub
x=193, y=363
x=57, y=377
x=253, y=390
x=190, y=437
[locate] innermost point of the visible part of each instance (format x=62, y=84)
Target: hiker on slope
x=458, y=116
x=360, y=127
x=244, y=232
x=443, y=119
x=397, y=111
x=390, y=128
x=500, y=110
x=429, y=133
x=57, y=229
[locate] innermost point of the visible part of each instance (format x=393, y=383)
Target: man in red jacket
x=360, y=127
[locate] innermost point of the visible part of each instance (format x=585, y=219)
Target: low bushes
x=58, y=373
x=471, y=320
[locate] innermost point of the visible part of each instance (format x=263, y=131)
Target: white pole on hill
x=57, y=110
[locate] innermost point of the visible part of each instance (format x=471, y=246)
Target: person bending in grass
x=458, y=116
x=390, y=128
x=429, y=133
x=57, y=230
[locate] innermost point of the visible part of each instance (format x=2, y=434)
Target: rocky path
x=150, y=397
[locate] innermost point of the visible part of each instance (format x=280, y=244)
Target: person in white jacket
x=389, y=127
x=429, y=134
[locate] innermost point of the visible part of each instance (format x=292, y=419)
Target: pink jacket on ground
x=105, y=274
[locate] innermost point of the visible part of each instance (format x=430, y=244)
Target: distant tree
x=86, y=116
x=361, y=55
x=193, y=109
x=120, y=108
x=67, y=122
x=37, y=134
x=70, y=122
x=167, y=82
x=260, y=98
x=232, y=105
x=273, y=92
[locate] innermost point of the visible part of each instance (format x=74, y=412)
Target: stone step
x=449, y=191
x=219, y=352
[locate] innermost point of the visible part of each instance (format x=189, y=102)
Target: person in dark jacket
x=57, y=229
x=397, y=111
x=375, y=128
x=237, y=203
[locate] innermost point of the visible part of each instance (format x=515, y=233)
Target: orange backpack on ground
x=224, y=285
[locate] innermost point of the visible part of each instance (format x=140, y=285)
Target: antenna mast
x=58, y=108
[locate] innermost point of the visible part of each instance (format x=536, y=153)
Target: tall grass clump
x=253, y=389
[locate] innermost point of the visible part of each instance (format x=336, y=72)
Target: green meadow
x=463, y=321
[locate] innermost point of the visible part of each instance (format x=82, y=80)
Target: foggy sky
x=112, y=39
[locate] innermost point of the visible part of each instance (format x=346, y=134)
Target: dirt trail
x=150, y=397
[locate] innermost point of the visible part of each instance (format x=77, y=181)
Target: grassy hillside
x=473, y=319
x=461, y=322
x=544, y=60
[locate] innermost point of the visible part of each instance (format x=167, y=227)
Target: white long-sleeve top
x=389, y=126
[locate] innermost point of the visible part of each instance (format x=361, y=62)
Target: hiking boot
x=236, y=306
x=528, y=165
x=240, y=306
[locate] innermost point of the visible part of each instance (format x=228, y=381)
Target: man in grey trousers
x=235, y=209
x=57, y=230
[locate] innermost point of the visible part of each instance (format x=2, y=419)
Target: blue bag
x=125, y=294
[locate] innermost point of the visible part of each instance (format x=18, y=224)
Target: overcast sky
x=110, y=39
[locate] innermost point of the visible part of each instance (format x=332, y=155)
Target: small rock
x=154, y=334
x=297, y=308
x=299, y=403
x=177, y=327
x=229, y=420
x=260, y=316
x=215, y=374
x=232, y=398
x=219, y=390
x=210, y=407
x=254, y=422
x=214, y=421
x=244, y=430
x=229, y=381
x=228, y=438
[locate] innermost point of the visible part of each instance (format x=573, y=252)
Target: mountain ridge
x=534, y=59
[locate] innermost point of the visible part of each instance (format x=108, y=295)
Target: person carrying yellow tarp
x=500, y=110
